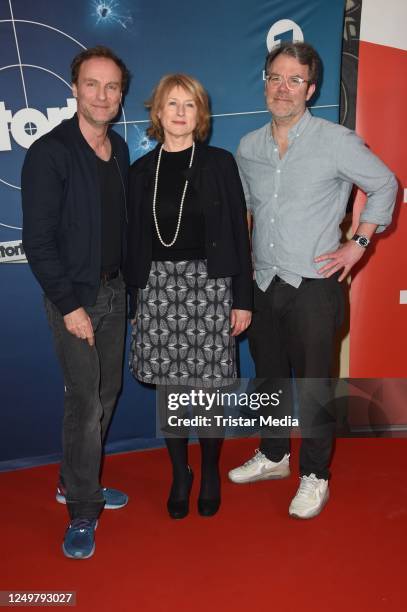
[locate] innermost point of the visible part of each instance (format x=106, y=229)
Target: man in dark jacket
x=74, y=204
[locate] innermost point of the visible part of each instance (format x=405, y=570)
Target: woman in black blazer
x=188, y=269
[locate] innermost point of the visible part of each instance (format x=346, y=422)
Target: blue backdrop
x=223, y=44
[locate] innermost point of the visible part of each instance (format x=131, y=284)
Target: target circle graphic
x=34, y=99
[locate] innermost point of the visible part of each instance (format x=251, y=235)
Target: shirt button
x=272, y=220
x=271, y=245
x=278, y=170
x=276, y=195
x=275, y=268
x=275, y=150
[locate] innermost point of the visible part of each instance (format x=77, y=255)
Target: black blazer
x=215, y=178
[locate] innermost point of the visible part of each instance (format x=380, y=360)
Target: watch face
x=363, y=241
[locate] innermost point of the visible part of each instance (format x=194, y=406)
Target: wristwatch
x=361, y=240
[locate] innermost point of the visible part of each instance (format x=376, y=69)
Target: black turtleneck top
x=190, y=243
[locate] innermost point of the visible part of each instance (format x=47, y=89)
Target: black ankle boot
x=208, y=507
x=209, y=495
x=179, y=508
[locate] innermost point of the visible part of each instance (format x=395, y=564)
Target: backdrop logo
x=283, y=30
x=28, y=124
x=12, y=252
x=35, y=97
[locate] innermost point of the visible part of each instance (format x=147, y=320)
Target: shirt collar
x=298, y=127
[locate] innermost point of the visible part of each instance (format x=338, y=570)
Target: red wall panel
x=378, y=325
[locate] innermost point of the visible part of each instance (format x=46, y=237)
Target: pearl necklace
x=169, y=244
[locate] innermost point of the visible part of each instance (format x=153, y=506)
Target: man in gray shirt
x=297, y=173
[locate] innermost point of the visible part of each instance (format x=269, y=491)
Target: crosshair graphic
x=19, y=129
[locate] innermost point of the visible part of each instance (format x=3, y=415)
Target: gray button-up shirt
x=299, y=201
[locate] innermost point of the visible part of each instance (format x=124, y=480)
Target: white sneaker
x=260, y=468
x=311, y=497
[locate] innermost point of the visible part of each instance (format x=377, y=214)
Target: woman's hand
x=239, y=321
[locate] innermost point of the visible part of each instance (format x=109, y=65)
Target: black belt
x=109, y=275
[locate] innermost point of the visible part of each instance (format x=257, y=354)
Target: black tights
x=210, y=479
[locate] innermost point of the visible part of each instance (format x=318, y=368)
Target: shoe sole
x=178, y=517
x=207, y=512
x=78, y=557
x=62, y=500
x=314, y=513
x=264, y=476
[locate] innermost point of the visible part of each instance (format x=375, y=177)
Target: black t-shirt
x=190, y=243
x=112, y=214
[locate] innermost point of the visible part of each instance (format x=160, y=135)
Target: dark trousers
x=293, y=332
x=93, y=379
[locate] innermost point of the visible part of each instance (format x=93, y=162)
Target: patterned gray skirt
x=182, y=329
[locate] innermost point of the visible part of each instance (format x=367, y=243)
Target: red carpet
x=251, y=556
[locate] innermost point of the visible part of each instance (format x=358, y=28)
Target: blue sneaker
x=79, y=541
x=114, y=499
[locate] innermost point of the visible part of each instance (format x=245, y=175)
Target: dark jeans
x=293, y=331
x=93, y=378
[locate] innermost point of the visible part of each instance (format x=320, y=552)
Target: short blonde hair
x=161, y=91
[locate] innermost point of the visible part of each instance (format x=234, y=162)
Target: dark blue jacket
x=62, y=213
